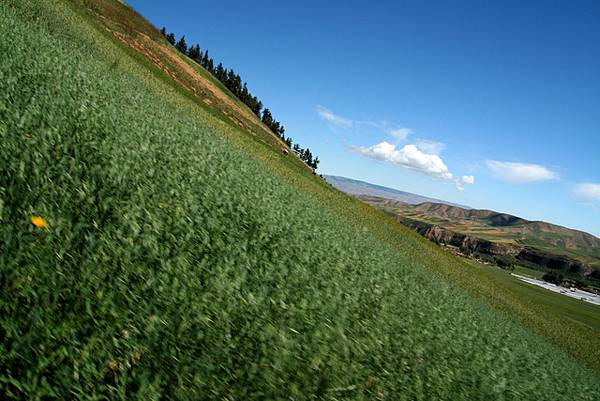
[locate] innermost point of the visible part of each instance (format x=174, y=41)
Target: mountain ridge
x=358, y=187
x=500, y=219
x=546, y=245
x=441, y=208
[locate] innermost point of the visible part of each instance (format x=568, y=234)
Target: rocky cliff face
x=468, y=245
x=465, y=243
x=551, y=233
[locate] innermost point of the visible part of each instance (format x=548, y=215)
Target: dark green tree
x=194, y=53
x=256, y=106
x=308, y=157
x=220, y=72
x=553, y=278
x=267, y=118
x=315, y=163
x=275, y=127
x=171, y=38
x=181, y=45
x=205, y=59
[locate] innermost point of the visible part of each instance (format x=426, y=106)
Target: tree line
x=234, y=83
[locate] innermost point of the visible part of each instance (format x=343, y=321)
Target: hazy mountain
x=356, y=187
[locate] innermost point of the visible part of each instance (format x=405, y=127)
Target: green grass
x=525, y=271
x=185, y=259
x=580, y=340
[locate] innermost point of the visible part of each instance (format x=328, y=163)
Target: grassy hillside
x=148, y=46
x=183, y=258
x=572, y=311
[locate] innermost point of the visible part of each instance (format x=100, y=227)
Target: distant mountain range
x=514, y=229
x=356, y=187
x=516, y=240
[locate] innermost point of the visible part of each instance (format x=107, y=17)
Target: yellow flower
x=39, y=222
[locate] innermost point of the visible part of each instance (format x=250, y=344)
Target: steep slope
x=131, y=29
x=183, y=258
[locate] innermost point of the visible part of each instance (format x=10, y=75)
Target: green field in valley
x=525, y=271
x=570, y=310
x=183, y=258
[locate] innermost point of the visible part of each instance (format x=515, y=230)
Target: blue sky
x=426, y=96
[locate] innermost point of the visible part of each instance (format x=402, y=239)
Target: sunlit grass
x=185, y=260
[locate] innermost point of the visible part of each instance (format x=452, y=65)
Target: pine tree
x=308, y=158
x=245, y=96
x=315, y=163
x=194, y=53
x=163, y=31
x=220, y=72
x=171, y=38
x=267, y=118
x=182, y=45
x=257, y=106
x=275, y=128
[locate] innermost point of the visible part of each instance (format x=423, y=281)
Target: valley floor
x=573, y=293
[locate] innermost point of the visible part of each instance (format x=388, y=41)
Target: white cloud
x=409, y=157
x=333, y=118
x=400, y=133
x=520, y=173
x=431, y=147
x=422, y=156
x=588, y=192
x=465, y=179
x=468, y=179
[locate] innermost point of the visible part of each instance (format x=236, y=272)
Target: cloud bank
x=520, y=173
